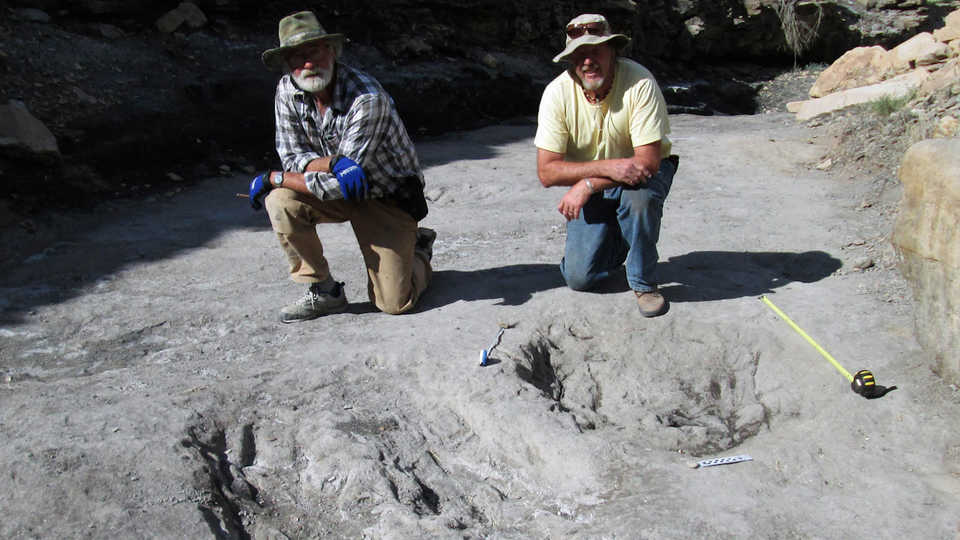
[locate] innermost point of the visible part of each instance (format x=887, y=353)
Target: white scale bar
x=723, y=461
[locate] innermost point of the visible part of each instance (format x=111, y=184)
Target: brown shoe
x=651, y=303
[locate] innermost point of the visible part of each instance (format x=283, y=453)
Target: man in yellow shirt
x=602, y=133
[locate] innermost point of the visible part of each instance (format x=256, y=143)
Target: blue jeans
x=621, y=225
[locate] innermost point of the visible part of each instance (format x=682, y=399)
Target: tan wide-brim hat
x=618, y=41
x=297, y=30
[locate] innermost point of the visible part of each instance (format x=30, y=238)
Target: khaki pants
x=397, y=275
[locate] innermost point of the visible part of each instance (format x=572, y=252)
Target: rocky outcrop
x=923, y=63
x=683, y=29
x=923, y=72
x=927, y=239
x=134, y=90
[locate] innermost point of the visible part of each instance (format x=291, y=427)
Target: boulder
x=904, y=56
x=186, y=13
x=860, y=66
x=951, y=28
x=946, y=127
x=934, y=55
x=22, y=135
x=945, y=77
x=926, y=237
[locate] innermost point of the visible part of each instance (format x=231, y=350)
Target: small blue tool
x=485, y=353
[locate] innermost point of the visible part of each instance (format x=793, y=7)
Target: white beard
x=592, y=85
x=313, y=81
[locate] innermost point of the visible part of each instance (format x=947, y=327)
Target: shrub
x=889, y=104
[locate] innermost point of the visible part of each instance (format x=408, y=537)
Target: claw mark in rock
x=541, y=372
x=228, y=490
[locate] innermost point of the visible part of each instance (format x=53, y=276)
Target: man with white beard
x=602, y=133
x=346, y=156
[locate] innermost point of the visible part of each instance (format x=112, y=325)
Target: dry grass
x=889, y=104
x=798, y=33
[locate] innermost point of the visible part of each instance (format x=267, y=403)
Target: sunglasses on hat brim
x=594, y=29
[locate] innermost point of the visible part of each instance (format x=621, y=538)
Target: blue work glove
x=353, y=181
x=259, y=187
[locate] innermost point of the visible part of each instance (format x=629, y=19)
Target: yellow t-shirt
x=634, y=113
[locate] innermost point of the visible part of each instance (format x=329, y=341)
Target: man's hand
x=573, y=201
x=259, y=187
x=626, y=171
x=353, y=181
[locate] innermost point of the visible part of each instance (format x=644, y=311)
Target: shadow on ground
x=699, y=276
x=513, y=285
x=48, y=257
x=702, y=276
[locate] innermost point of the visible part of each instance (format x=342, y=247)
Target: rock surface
x=927, y=237
x=148, y=390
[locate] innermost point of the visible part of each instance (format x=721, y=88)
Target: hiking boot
x=651, y=303
x=315, y=303
x=425, y=238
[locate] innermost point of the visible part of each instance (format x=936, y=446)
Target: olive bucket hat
x=589, y=29
x=296, y=30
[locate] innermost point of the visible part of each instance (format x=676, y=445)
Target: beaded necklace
x=597, y=96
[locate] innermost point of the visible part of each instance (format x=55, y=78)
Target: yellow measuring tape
x=800, y=331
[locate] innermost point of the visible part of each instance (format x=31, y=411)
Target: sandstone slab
x=927, y=238
x=896, y=87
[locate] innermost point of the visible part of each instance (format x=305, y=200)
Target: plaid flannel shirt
x=362, y=123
